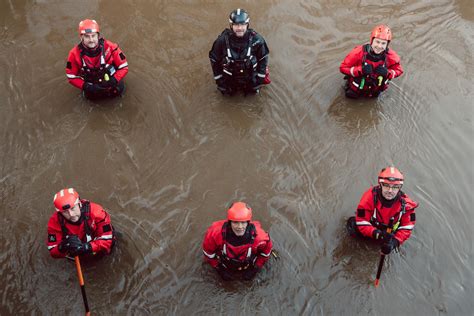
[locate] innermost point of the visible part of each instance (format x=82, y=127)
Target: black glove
x=82, y=249
x=69, y=243
x=250, y=273
x=225, y=275
x=220, y=83
x=381, y=71
x=92, y=88
x=111, y=83
x=381, y=235
x=389, y=245
x=367, y=69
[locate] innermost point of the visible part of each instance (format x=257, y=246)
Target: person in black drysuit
x=239, y=57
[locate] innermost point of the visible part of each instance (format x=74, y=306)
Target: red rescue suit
x=94, y=227
x=86, y=66
x=351, y=66
x=217, y=250
x=372, y=214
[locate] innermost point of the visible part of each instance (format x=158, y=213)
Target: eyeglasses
x=393, y=187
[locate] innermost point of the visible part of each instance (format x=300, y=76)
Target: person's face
x=239, y=29
x=73, y=214
x=238, y=227
x=90, y=40
x=390, y=191
x=379, y=45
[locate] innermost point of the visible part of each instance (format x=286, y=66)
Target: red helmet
x=88, y=26
x=390, y=175
x=381, y=31
x=239, y=212
x=65, y=199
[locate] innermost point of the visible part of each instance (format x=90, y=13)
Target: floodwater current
x=168, y=157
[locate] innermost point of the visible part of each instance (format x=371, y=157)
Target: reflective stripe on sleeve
x=363, y=223
x=261, y=76
x=218, y=77
x=125, y=64
x=210, y=256
x=104, y=237
x=265, y=254
x=51, y=247
x=406, y=227
x=227, y=72
x=73, y=76
x=352, y=71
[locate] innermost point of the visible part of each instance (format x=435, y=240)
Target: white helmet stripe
x=392, y=170
x=70, y=190
x=238, y=11
x=61, y=193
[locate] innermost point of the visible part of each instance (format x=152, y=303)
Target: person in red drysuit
x=237, y=246
x=78, y=227
x=370, y=67
x=385, y=208
x=96, y=66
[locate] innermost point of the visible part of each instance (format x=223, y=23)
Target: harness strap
x=103, y=60
x=63, y=226
x=86, y=211
x=253, y=233
x=229, y=51
x=402, y=211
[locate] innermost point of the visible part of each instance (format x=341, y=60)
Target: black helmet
x=239, y=16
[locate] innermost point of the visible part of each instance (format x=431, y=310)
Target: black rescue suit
x=239, y=63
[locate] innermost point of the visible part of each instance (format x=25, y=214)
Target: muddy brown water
x=172, y=153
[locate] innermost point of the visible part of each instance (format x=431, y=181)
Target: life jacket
x=85, y=215
x=238, y=258
x=393, y=225
x=370, y=85
x=234, y=65
x=92, y=73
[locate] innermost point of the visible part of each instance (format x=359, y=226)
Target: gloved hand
x=381, y=235
x=223, y=272
x=92, y=88
x=389, y=245
x=260, y=81
x=69, y=243
x=367, y=69
x=82, y=249
x=250, y=273
x=222, y=87
x=111, y=83
x=381, y=71
x=220, y=82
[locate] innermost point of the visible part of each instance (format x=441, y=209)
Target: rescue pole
x=382, y=257
x=81, y=283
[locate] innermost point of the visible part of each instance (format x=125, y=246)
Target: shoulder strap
x=249, y=49
x=253, y=233
x=85, y=210
x=226, y=37
x=224, y=230
x=63, y=226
